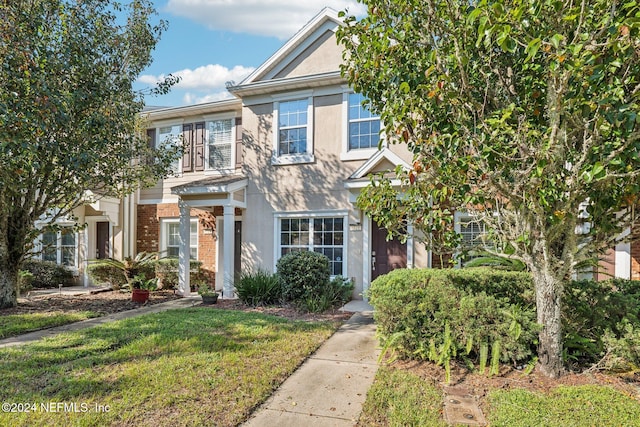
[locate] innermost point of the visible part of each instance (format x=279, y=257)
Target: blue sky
x=210, y=42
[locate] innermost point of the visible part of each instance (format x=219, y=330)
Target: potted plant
x=133, y=269
x=141, y=287
x=209, y=295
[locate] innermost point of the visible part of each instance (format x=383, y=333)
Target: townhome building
x=274, y=169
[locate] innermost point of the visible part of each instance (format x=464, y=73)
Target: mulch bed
x=115, y=301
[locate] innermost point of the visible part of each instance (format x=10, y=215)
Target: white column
x=184, y=287
x=228, y=241
x=623, y=258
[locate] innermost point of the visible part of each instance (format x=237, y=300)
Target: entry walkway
x=331, y=385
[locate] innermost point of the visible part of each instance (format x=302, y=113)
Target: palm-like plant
x=130, y=267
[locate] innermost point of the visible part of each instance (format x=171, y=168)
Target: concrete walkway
x=331, y=385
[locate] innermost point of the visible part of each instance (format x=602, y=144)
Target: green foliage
x=47, y=274
x=523, y=114
x=400, y=398
x=564, y=406
x=302, y=274
x=596, y=316
x=100, y=274
x=441, y=315
x=141, y=282
x=485, y=259
x=205, y=289
x=259, y=287
x=166, y=270
x=70, y=124
x=25, y=281
x=136, y=269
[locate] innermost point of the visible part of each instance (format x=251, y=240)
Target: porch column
x=184, y=287
x=228, y=239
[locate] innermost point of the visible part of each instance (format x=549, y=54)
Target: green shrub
x=593, y=310
x=303, y=274
x=440, y=315
x=47, y=274
x=103, y=274
x=259, y=287
x=166, y=270
x=25, y=280
x=334, y=294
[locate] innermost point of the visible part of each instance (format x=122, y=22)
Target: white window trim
x=358, y=154
x=159, y=125
x=277, y=216
x=207, y=167
x=457, y=219
x=40, y=245
x=290, y=159
x=163, y=234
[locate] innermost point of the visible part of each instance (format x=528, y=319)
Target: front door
x=385, y=255
x=102, y=240
x=237, y=248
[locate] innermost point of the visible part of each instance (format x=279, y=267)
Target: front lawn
x=183, y=367
x=17, y=324
x=400, y=397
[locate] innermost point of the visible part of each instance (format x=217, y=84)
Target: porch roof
x=211, y=185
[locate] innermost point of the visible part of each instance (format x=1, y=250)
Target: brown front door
x=385, y=255
x=102, y=240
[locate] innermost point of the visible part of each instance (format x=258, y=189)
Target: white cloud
x=278, y=18
x=212, y=76
x=191, y=98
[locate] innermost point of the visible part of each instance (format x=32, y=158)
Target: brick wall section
x=148, y=232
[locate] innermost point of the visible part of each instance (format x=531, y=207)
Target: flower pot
x=209, y=299
x=139, y=295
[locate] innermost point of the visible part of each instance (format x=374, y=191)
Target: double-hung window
x=293, y=142
x=220, y=144
x=60, y=247
x=170, y=136
x=325, y=235
x=362, y=128
x=170, y=238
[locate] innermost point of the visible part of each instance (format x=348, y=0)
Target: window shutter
x=238, y=142
x=199, y=146
x=187, y=135
x=151, y=141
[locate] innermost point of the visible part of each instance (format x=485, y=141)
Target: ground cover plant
x=195, y=366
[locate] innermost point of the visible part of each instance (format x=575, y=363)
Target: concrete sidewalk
x=331, y=385
x=43, y=333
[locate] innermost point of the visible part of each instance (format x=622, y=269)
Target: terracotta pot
x=139, y=295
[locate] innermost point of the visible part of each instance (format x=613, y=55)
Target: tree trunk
x=549, y=307
x=8, y=285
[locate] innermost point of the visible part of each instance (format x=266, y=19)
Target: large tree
x=69, y=119
x=523, y=113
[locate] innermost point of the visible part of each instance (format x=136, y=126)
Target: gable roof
x=313, y=33
x=379, y=157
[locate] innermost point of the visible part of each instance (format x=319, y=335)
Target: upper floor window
x=361, y=134
x=364, y=127
x=220, y=143
x=169, y=136
x=60, y=247
x=293, y=138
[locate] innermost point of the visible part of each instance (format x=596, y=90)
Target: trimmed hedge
x=430, y=314
x=103, y=274
x=47, y=274
x=166, y=270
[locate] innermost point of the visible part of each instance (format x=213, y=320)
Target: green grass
x=184, y=367
x=565, y=406
x=400, y=398
x=16, y=324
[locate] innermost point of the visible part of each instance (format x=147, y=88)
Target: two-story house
x=275, y=169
